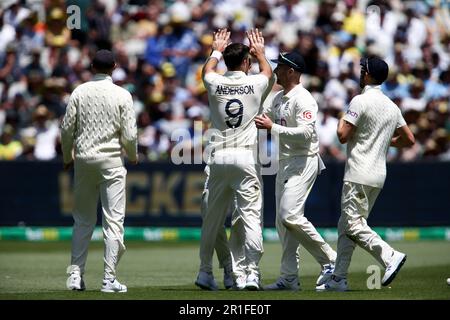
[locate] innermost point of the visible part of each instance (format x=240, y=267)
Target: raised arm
x=257, y=50
x=220, y=42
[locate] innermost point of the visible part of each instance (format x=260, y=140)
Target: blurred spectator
x=354, y=20
x=415, y=101
x=175, y=43
x=7, y=34
x=14, y=12
x=309, y=51
x=326, y=128
x=99, y=25
x=45, y=132
x=10, y=148
x=392, y=88
x=10, y=70
x=57, y=35
x=53, y=95
x=381, y=25
x=32, y=33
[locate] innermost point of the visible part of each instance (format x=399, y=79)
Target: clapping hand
x=256, y=42
x=221, y=40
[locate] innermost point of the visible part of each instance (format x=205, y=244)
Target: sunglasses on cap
x=290, y=62
x=364, y=63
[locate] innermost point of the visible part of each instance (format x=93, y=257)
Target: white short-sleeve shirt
x=376, y=118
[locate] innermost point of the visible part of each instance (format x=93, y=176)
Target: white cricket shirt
x=376, y=118
x=295, y=116
x=234, y=101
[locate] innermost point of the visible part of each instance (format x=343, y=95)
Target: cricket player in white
x=98, y=123
x=371, y=124
x=235, y=100
x=294, y=112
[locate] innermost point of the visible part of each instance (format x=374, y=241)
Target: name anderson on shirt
x=234, y=90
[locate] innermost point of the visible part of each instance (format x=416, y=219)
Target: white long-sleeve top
x=295, y=116
x=98, y=123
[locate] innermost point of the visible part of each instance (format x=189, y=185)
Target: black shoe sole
x=392, y=277
x=253, y=288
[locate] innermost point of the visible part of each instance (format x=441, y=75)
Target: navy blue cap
x=375, y=67
x=291, y=59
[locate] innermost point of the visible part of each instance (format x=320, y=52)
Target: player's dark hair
x=376, y=67
x=234, y=55
x=103, y=61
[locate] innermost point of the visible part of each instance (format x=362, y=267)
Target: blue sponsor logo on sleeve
x=352, y=114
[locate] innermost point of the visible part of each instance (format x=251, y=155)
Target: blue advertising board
x=163, y=194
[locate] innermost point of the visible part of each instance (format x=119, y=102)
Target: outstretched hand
x=221, y=39
x=256, y=40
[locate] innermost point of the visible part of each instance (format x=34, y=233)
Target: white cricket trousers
x=356, y=203
x=236, y=244
x=90, y=182
x=234, y=176
x=294, y=182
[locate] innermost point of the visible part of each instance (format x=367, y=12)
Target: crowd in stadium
x=160, y=47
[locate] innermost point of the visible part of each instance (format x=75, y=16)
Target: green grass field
x=167, y=271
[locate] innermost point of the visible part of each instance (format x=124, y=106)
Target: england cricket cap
x=291, y=59
x=375, y=67
x=103, y=59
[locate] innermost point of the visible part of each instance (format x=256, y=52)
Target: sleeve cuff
x=275, y=128
x=216, y=54
x=350, y=120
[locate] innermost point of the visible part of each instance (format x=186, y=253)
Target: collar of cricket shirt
x=293, y=91
x=102, y=76
x=235, y=74
x=368, y=87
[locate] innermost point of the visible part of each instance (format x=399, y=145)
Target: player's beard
x=279, y=80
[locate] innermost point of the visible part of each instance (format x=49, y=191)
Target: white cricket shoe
x=325, y=274
x=252, y=282
x=398, y=259
x=240, y=282
x=333, y=284
x=75, y=280
x=112, y=285
x=284, y=284
x=206, y=281
x=227, y=279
